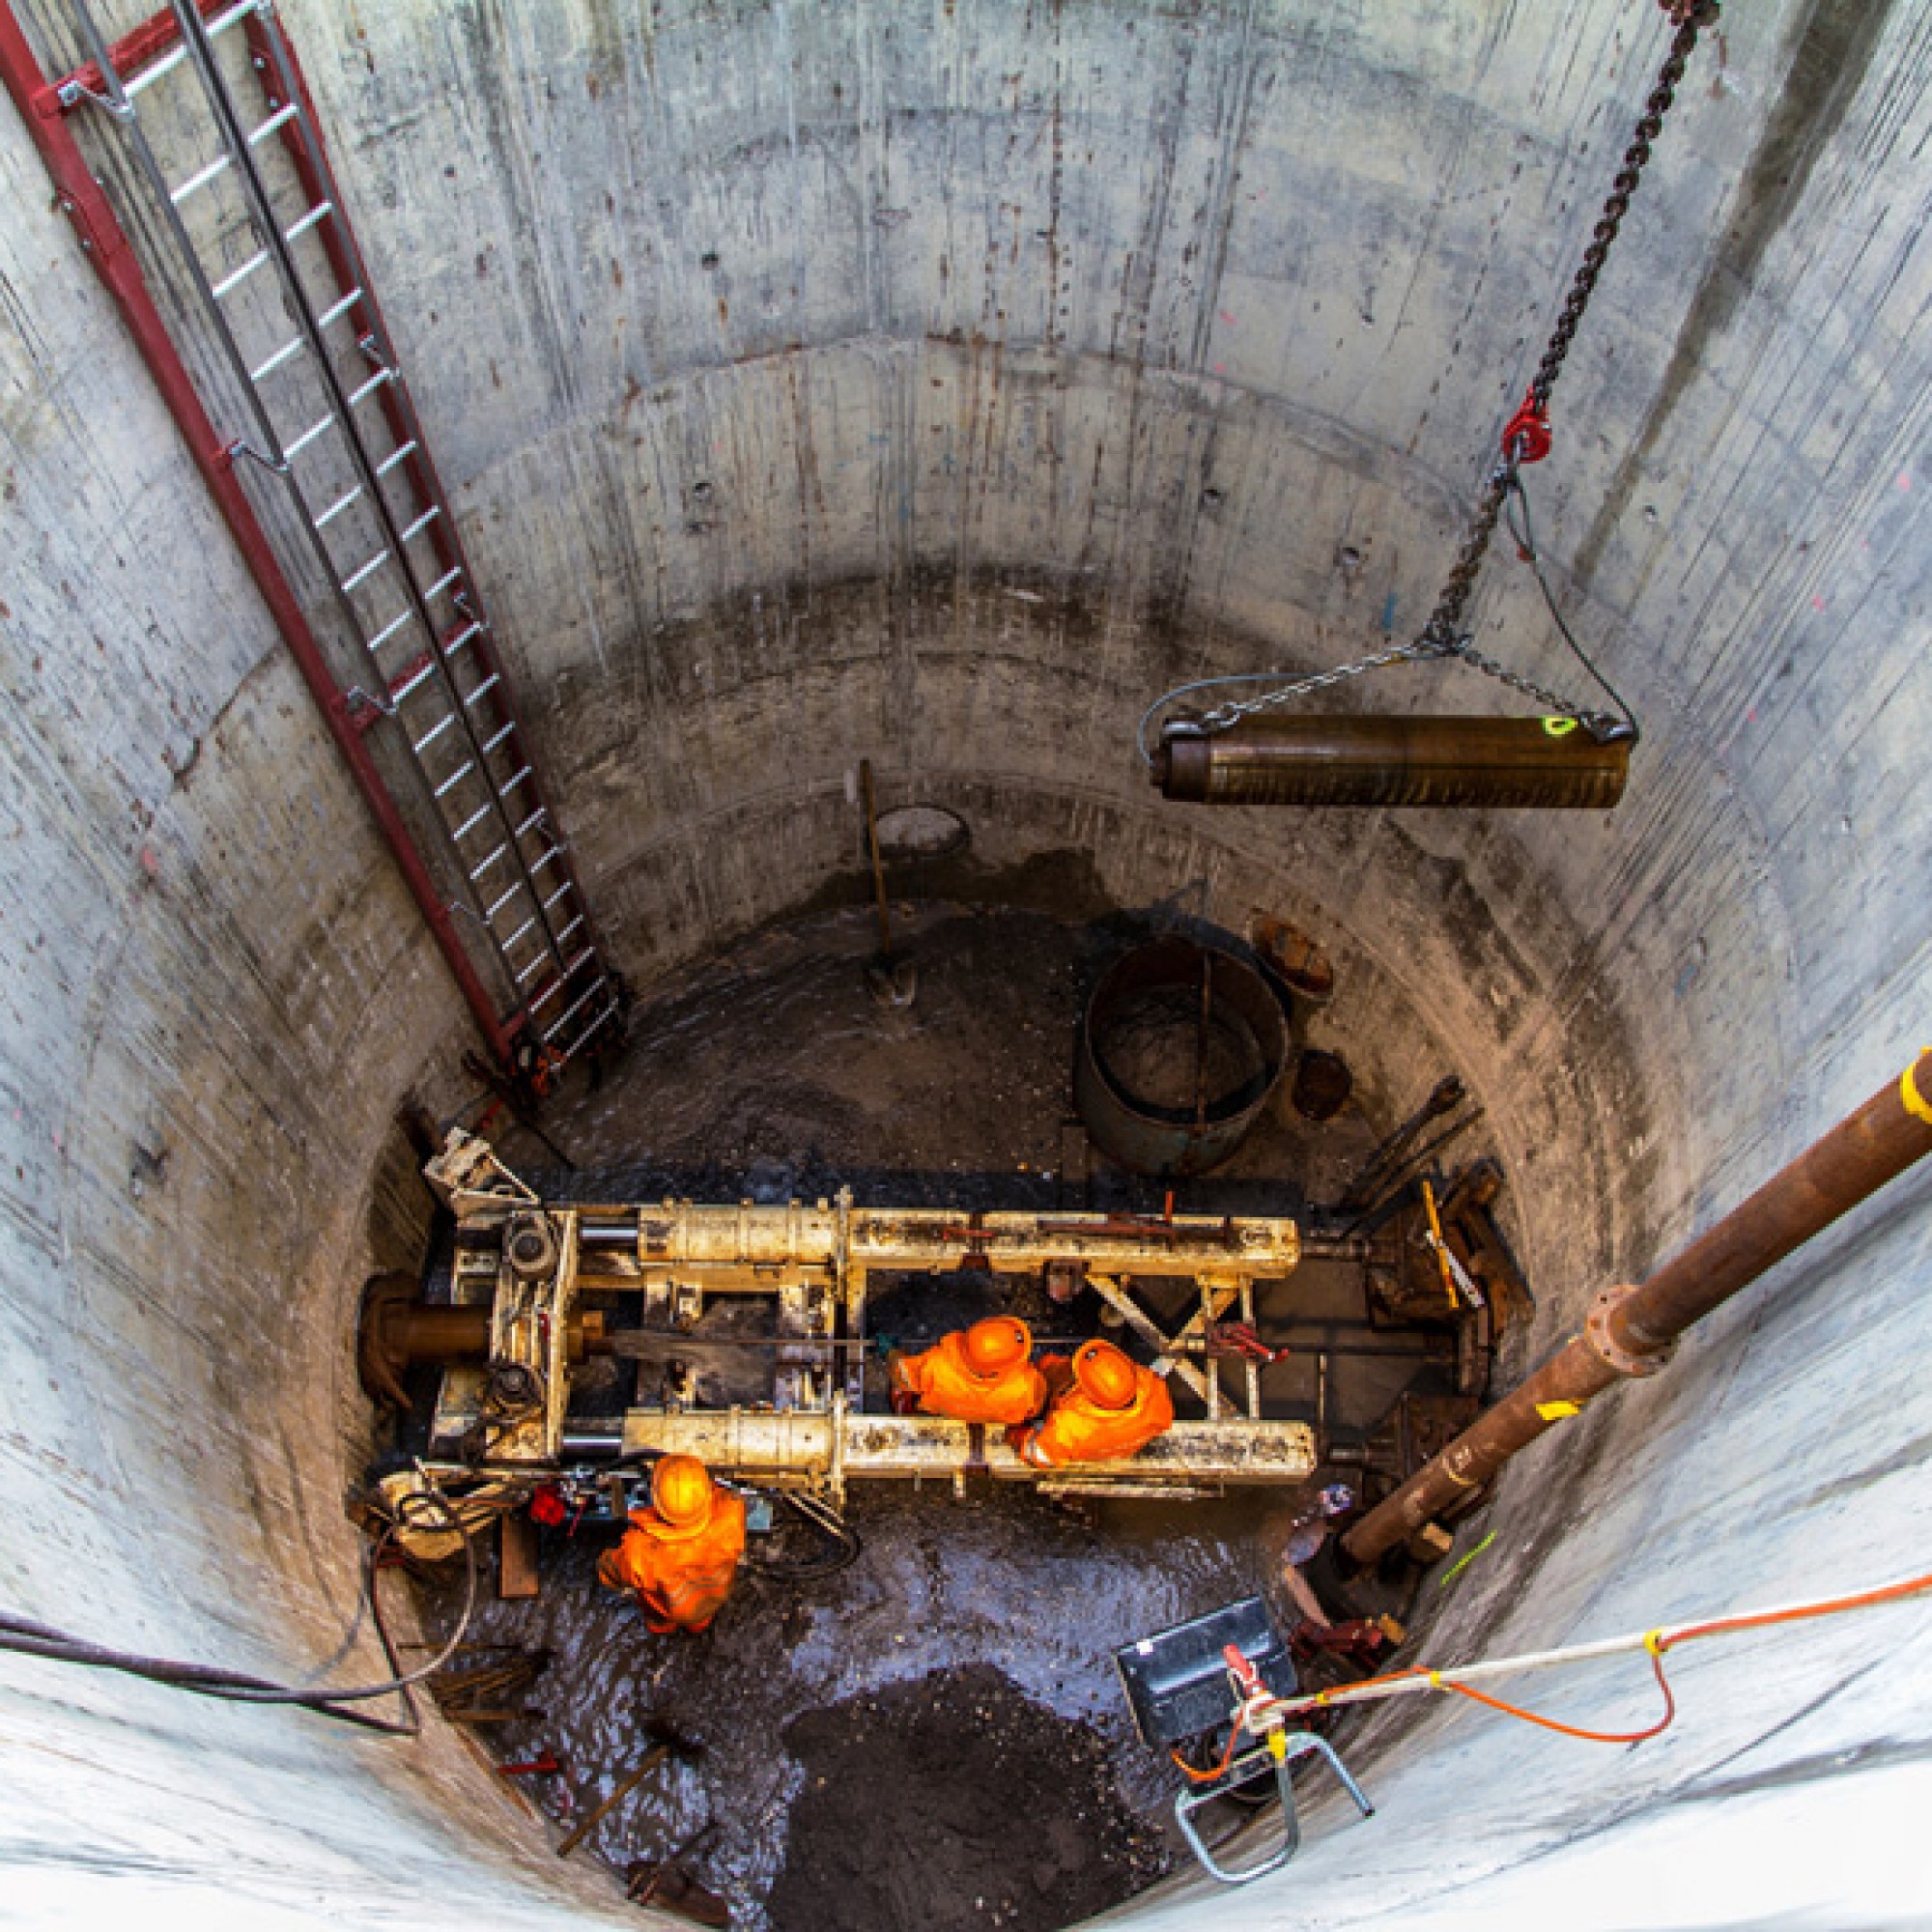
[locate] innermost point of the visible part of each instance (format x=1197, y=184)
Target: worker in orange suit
x=680, y=1553
x=982, y=1374
x=1104, y=1409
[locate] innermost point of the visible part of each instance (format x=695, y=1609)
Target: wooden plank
x=517, y=1578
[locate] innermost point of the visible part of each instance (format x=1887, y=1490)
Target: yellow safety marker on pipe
x=1916, y=1103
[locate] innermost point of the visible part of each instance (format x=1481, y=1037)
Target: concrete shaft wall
x=939, y=383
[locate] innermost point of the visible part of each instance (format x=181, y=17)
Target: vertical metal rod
x=106, y=246
x=1630, y=1331
x=878, y=865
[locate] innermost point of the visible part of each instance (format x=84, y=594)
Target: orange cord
x=1912, y=1586
x=1655, y=1643
x=1574, y=1731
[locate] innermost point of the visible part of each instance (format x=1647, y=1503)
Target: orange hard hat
x=993, y=1346
x=681, y=1490
x=1105, y=1375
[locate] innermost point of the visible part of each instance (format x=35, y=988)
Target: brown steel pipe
x=1502, y=763
x=1631, y=1331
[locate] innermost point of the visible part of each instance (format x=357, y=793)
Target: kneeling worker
x=1105, y=1409
x=680, y=1553
x=982, y=1374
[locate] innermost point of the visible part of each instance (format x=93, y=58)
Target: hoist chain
x=1443, y=635
x=1446, y=619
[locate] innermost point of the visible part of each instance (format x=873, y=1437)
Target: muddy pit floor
x=864, y=1737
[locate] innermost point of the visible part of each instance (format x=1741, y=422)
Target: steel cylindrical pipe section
x=1506, y=763
x=1213, y=998
x=1630, y=1331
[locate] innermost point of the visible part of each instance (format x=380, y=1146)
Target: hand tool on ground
x=1444, y=1098
x=1454, y=1277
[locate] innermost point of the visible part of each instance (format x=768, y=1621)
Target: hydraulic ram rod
x=1631, y=1331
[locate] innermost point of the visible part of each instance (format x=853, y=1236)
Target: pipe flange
x=1625, y=1361
x=531, y=1247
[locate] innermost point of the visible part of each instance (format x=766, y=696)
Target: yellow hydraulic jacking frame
x=531, y=1259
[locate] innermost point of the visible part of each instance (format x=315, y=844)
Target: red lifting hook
x=1526, y=434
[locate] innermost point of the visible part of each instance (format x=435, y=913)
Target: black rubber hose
x=28, y=1638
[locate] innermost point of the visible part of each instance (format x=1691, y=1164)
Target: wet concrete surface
x=777, y=1075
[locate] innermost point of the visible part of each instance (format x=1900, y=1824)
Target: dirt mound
x=953, y=1802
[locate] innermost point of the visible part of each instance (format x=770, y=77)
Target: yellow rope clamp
x=1560, y=727
x=1915, y=1101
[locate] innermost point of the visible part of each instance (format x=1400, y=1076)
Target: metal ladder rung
x=301, y=227
x=335, y=311
x=477, y=874
x=516, y=886
x=367, y=570
x=535, y=819
x=413, y=683
x=390, y=629
x=489, y=682
x=336, y=508
x=476, y=819
x=435, y=732
x=201, y=178
x=509, y=786
x=462, y=639
x=455, y=779
x=602, y=1018
x=280, y=117
x=564, y=932
x=491, y=744
x=541, y=958
x=550, y=858
x=441, y=585
x=173, y=59
x=232, y=281
x=423, y=522
x=308, y=435
x=370, y=388
x=564, y=1018
x=388, y=463
x=287, y=353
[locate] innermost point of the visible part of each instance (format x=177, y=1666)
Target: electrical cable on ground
x=26, y=1637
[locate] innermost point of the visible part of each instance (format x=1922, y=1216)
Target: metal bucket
x=1150, y=1124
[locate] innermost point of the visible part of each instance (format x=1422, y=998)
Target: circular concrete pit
x=936, y=387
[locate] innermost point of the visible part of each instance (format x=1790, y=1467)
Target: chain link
x=1443, y=635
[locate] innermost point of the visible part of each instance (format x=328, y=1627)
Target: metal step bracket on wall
x=222, y=174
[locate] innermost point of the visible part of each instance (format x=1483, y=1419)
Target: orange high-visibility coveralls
x=681, y=1574
x=1077, y=1428
x=945, y=1382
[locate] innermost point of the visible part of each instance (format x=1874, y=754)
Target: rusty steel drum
x=1181, y=1047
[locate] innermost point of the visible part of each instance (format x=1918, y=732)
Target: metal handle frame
x=1297, y=1745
